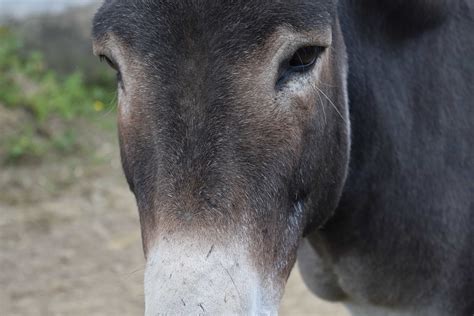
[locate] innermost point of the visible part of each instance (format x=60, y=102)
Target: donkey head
x=233, y=125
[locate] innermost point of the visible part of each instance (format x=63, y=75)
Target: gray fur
x=206, y=148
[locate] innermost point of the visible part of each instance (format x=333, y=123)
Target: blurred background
x=69, y=232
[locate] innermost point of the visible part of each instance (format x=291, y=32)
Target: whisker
x=322, y=106
x=112, y=105
x=332, y=103
x=326, y=84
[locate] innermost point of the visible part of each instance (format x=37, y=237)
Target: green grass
x=26, y=84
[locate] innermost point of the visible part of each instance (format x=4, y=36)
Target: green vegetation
x=50, y=102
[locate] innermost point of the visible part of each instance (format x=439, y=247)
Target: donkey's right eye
x=109, y=62
x=112, y=64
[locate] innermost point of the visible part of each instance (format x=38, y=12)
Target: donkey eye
x=304, y=58
x=109, y=62
x=112, y=65
x=302, y=61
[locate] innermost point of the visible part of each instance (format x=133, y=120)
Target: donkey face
x=234, y=139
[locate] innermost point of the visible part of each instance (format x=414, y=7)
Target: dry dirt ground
x=70, y=242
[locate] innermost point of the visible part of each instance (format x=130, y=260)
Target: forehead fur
x=226, y=25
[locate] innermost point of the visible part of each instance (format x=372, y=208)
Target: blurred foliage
x=27, y=84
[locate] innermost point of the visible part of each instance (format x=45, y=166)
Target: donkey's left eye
x=301, y=61
x=304, y=58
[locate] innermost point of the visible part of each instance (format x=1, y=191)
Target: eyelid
x=285, y=69
x=110, y=61
x=322, y=38
x=285, y=63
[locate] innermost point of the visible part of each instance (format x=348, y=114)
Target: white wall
x=19, y=8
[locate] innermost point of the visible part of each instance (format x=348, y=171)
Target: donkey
x=253, y=132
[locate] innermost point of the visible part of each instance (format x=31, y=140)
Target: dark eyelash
x=109, y=61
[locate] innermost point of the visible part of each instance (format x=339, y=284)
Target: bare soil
x=70, y=241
